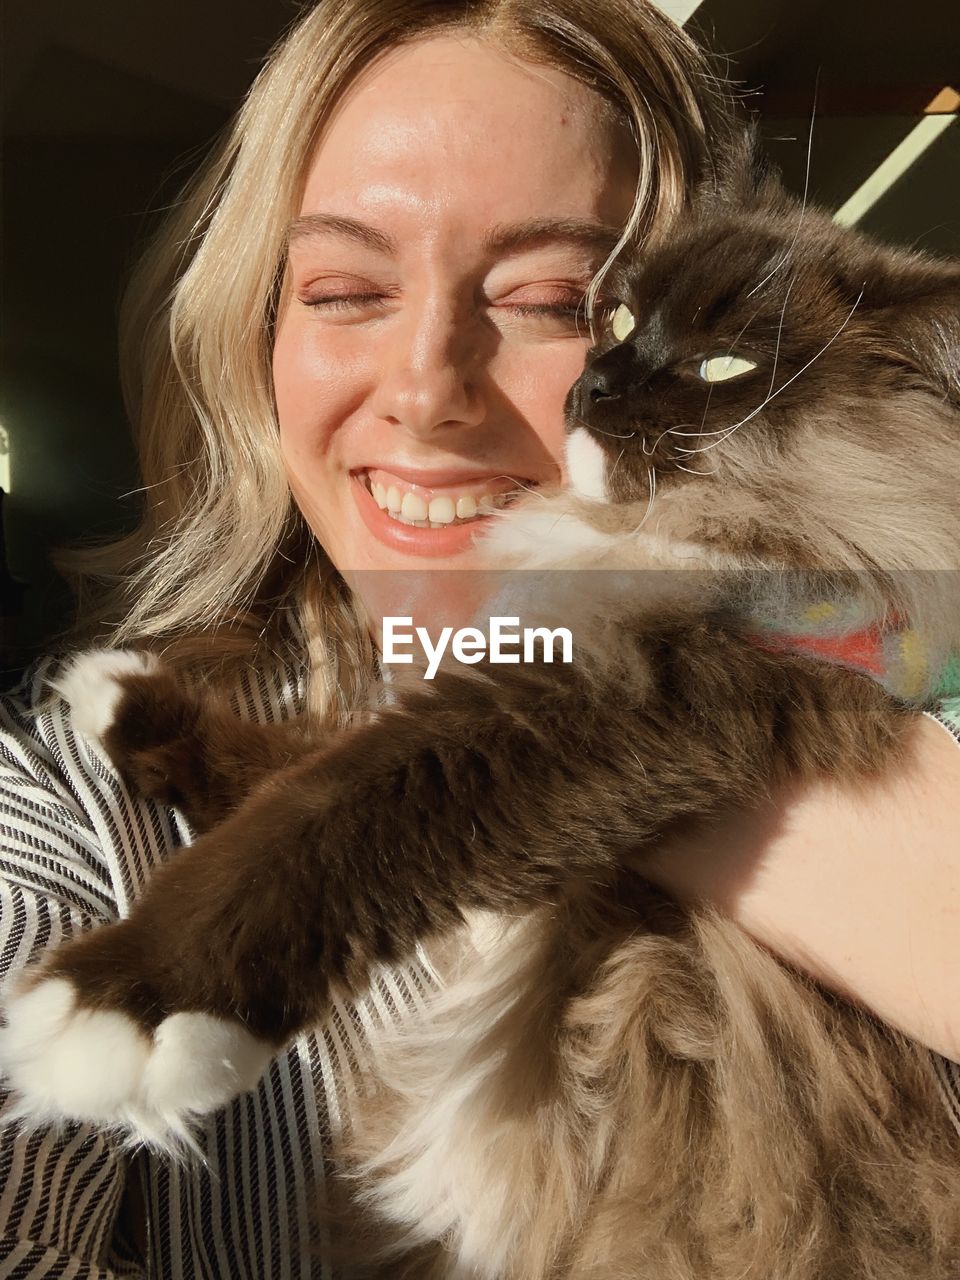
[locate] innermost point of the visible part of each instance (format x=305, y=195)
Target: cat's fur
x=613, y=1087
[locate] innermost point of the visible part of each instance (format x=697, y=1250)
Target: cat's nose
x=605, y=380
x=608, y=376
x=601, y=384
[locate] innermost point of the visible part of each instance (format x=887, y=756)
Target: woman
x=369, y=302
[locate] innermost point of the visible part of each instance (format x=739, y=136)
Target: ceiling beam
x=900, y=159
x=680, y=11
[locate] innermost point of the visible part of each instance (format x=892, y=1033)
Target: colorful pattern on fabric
x=896, y=655
x=948, y=692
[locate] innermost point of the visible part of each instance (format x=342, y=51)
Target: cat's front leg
x=70, y=1053
x=172, y=742
x=331, y=866
x=144, y=1025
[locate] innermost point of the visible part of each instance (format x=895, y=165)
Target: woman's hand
x=857, y=884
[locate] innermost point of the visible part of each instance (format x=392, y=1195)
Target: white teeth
x=442, y=511
x=413, y=507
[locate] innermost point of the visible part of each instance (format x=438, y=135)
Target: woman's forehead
x=450, y=118
x=451, y=67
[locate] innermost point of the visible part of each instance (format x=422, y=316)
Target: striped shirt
x=77, y=849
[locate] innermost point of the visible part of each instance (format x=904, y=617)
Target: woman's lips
x=429, y=513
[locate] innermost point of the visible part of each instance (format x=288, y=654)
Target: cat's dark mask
x=755, y=330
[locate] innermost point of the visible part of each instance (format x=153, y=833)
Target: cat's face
x=758, y=355
x=707, y=332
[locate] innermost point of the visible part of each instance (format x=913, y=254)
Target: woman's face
x=454, y=212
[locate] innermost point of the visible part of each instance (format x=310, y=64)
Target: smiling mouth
x=440, y=507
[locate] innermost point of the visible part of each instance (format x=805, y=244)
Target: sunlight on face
x=453, y=215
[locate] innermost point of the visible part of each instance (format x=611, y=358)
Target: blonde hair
x=221, y=567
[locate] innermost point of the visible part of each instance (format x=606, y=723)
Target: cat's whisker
x=613, y=469
x=533, y=491
x=776, y=352
x=614, y=435
x=673, y=431
x=526, y=488
x=689, y=453
x=730, y=350
x=813, y=359
x=652, y=478
x=691, y=472
x=727, y=433
x=706, y=403
x=803, y=203
x=649, y=452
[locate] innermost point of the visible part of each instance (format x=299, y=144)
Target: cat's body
x=617, y=1087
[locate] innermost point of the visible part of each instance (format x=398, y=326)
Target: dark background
x=107, y=105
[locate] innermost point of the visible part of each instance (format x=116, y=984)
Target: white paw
x=91, y=685
x=68, y=1063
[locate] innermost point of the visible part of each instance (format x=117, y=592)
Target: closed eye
x=724, y=367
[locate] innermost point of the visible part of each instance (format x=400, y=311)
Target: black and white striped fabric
x=77, y=849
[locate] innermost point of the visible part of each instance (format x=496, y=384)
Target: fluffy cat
x=611, y=1086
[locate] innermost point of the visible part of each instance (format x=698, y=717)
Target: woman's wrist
x=857, y=885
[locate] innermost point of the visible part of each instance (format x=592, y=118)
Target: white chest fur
x=460, y=1165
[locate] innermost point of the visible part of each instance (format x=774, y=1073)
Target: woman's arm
x=857, y=885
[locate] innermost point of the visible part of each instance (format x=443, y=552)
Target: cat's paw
x=93, y=686
x=144, y=721
x=65, y=1062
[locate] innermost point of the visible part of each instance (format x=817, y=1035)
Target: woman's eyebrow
x=312, y=224
x=539, y=232
x=515, y=237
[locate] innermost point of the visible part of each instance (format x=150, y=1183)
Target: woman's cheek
x=542, y=388
x=316, y=387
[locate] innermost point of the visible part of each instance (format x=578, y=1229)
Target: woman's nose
x=429, y=373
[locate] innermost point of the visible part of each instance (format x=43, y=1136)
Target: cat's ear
x=915, y=301
x=926, y=330
x=740, y=173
